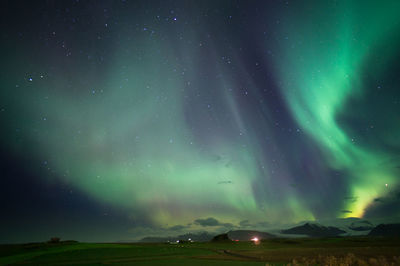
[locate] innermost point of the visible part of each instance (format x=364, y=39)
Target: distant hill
x=199, y=237
x=221, y=238
x=386, y=230
x=314, y=230
x=247, y=235
x=361, y=226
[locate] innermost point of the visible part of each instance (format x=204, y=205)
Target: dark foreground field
x=332, y=251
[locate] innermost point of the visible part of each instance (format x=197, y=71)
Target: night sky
x=122, y=119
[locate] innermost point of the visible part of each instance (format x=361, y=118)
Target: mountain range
x=388, y=230
x=314, y=230
x=357, y=227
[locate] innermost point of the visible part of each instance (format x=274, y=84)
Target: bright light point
x=255, y=239
x=386, y=185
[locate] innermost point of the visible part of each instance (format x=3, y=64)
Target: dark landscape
x=240, y=247
x=380, y=251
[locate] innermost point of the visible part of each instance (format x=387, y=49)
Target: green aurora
x=325, y=68
x=168, y=117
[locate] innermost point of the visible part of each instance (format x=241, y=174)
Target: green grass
x=276, y=252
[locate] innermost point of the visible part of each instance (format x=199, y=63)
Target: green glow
x=323, y=71
x=195, y=121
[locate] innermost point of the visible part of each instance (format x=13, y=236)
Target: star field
x=135, y=117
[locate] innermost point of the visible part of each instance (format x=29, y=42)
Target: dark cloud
x=207, y=222
x=351, y=199
x=346, y=211
x=177, y=227
x=225, y=182
x=212, y=222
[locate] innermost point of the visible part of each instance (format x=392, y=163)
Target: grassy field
x=330, y=251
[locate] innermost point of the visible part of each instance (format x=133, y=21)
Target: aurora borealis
x=133, y=117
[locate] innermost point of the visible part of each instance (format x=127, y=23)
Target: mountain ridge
x=314, y=230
